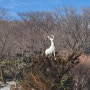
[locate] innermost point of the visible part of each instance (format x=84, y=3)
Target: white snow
x=7, y=87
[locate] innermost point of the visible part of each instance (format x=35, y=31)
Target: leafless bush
x=81, y=73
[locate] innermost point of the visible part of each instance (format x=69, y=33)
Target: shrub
x=47, y=74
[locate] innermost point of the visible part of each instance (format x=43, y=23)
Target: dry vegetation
x=45, y=73
x=22, y=39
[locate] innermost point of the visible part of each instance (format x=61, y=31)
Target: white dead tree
x=51, y=49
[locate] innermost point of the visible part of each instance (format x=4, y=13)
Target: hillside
x=23, y=43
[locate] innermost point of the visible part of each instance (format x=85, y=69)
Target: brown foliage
x=45, y=72
x=81, y=74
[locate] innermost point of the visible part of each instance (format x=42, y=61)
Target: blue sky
x=15, y=6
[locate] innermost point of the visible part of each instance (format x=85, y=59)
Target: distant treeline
x=28, y=35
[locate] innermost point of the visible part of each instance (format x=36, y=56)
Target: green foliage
x=66, y=83
x=66, y=80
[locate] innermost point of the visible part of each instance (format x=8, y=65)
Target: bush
x=47, y=74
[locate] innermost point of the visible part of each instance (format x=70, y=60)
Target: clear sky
x=15, y=6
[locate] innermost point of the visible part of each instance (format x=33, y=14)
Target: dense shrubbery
x=81, y=74
x=44, y=73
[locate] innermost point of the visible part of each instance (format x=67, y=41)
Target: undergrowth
x=45, y=73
